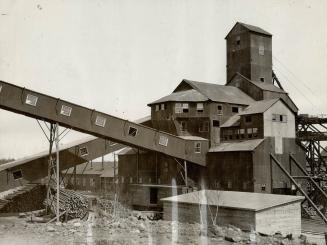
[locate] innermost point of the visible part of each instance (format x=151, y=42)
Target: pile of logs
x=73, y=204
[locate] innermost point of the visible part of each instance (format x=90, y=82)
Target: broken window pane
x=31, y=100
x=65, y=110
x=132, y=131
x=100, y=121
x=163, y=140
x=83, y=151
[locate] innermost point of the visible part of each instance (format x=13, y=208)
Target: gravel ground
x=129, y=230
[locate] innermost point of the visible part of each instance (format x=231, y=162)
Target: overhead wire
x=293, y=85
x=293, y=74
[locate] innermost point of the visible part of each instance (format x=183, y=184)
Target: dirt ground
x=129, y=230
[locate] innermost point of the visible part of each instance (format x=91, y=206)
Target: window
x=238, y=41
x=100, y=121
x=183, y=126
x=162, y=107
x=255, y=132
x=197, y=147
x=242, y=132
x=234, y=109
x=229, y=184
x=153, y=195
x=279, y=118
x=132, y=131
x=220, y=109
x=122, y=179
x=215, y=123
x=249, y=132
x=237, y=133
x=163, y=140
x=92, y=182
x=261, y=49
x=140, y=180
x=283, y=118
x=199, y=107
x=130, y=179
x=248, y=119
x=262, y=79
x=274, y=117
x=263, y=187
x=66, y=110
x=157, y=108
x=83, y=182
x=83, y=151
x=31, y=100
x=230, y=134
x=17, y=174
x=204, y=127
x=185, y=107
x=178, y=108
x=0, y=88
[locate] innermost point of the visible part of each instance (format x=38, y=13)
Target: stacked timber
x=73, y=204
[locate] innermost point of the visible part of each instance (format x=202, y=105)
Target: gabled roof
x=232, y=121
x=259, y=106
x=217, y=93
x=93, y=169
x=246, y=145
x=262, y=85
x=191, y=95
x=251, y=28
x=234, y=199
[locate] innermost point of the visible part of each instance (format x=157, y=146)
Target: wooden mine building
x=243, y=121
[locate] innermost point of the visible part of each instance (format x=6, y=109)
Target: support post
x=185, y=169
x=156, y=167
x=57, y=170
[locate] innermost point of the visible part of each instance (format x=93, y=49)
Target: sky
x=119, y=55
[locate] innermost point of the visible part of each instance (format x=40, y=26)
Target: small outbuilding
x=265, y=213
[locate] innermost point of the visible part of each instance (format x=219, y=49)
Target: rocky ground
x=131, y=229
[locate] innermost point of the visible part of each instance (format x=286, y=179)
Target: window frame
x=197, y=147
x=185, y=107
x=235, y=107
x=31, y=99
x=201, y=109
x=220, y=111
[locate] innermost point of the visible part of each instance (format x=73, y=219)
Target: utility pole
x=57, y=166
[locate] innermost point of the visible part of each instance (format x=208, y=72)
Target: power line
x=292, y=73
x=289, y=81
